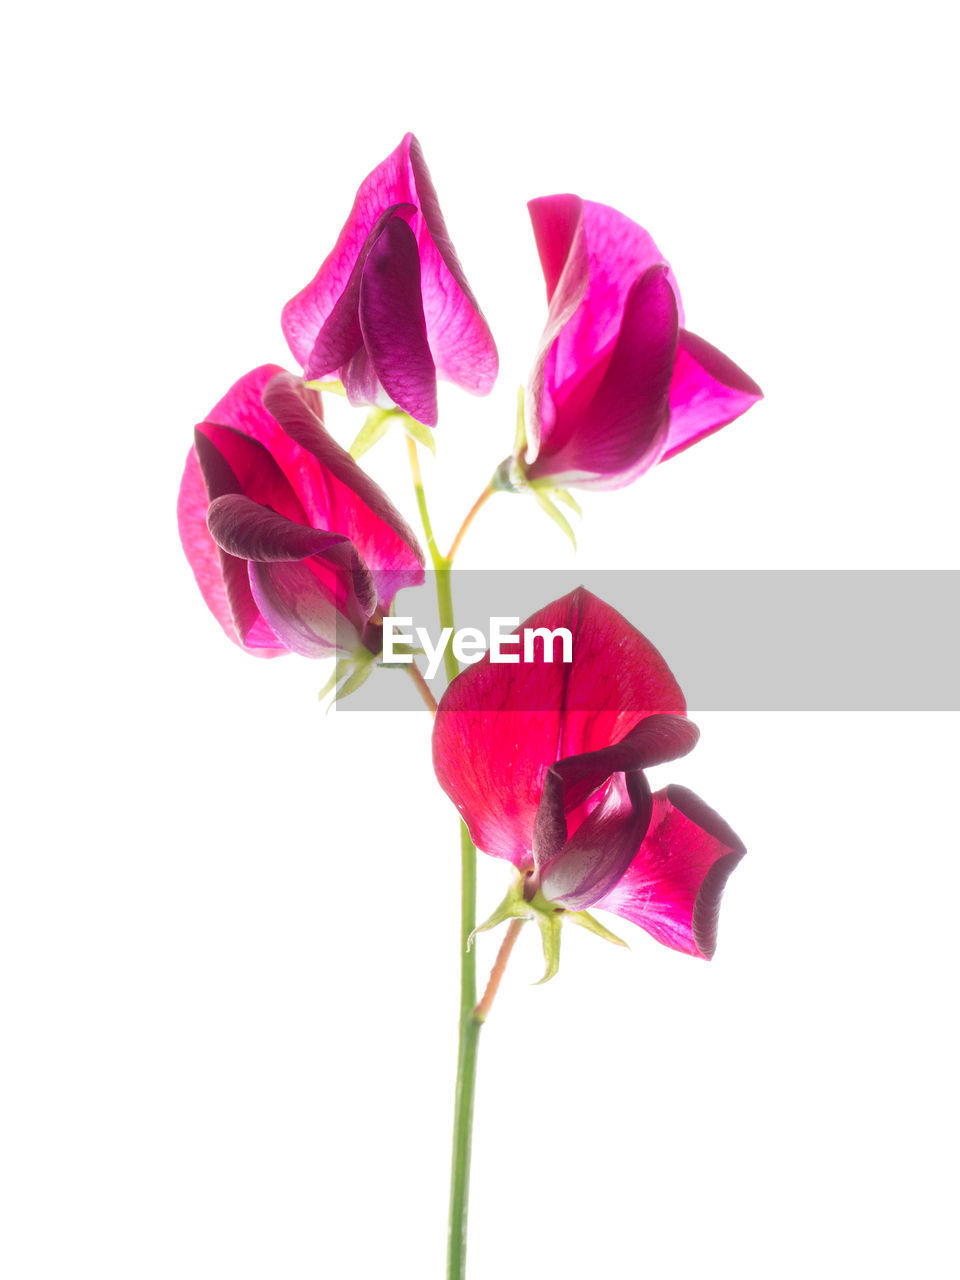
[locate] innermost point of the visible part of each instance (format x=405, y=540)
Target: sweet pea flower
x=390, y=309
x=293, y=546
x=618, y=384
x=545, y=762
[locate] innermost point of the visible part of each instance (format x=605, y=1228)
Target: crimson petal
x=500, y=727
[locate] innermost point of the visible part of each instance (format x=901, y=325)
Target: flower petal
x=460, y=341
x=571, y=782
x=393, y=324
x=300, y=610
x=206, y=560
x=334, y=573
x=340, y=496
x=595, y=857
x=707, y=391
x=673, y=886
x=500, y=727
x=592, y=255
x=605, y=436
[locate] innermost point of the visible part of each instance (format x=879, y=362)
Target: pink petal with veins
x=673, y=886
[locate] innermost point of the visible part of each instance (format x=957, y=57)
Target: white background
x=227, y=923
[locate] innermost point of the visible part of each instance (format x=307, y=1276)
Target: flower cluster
x=296, y=549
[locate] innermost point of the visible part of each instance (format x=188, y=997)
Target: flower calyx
x=524, y=900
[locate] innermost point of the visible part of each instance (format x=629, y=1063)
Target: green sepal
x=554, y=512
x=550, y=920
x=341, y=669
x=513, y=906
x=551, y=925
x=520, y=435
x=349, y=673
x=567, y=498
x=417, y=431
x=508, y=477
x=399, y=666
x=548, y=916
x=586, y=921
x=375, y=428
x=360, y=675
x=334, y=387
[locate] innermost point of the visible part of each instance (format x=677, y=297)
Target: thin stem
x=496, y=973
x=432, y=547
x=416, y=675
x=488, y=492
x=469, y=1030
x=468, y=1043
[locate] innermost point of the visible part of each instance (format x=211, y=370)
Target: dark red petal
x=393, y=323
x=673, y=886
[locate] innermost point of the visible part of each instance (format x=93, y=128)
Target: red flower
x=545, y=761
x=293, y=546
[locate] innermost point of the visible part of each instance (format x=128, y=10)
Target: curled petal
x=605, y=435
x=592, y=256
x=673, y=886
x=311, y=586
x=595, y=857
x=500, y=727
x=571, y=782
x=707, y=391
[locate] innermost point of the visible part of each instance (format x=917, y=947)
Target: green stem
x=469, y=1033
x=469, y=1039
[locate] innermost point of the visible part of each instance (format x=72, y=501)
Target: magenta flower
x=293, y=546
x=390, y=309
x=618, y=384
x=545, y=761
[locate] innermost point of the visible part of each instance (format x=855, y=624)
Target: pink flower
x=390, y=309
x=545, y=761
x=618, y=384
x=293, y=546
